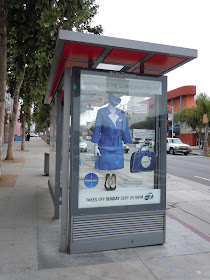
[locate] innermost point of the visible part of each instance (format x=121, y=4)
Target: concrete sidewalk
x=195, y=150
x=29, y=238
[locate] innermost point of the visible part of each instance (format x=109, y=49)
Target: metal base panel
x=115, y=231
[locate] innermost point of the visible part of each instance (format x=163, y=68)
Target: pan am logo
x=149, y=196
x=91, y=180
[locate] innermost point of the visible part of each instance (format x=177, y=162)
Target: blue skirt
x=111, y=158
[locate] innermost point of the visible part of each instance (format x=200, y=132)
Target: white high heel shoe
x=113, y=182
x=107, y=182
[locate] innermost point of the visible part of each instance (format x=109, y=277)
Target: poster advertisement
x=137, y=108
x=144, y=133
x=112, y=170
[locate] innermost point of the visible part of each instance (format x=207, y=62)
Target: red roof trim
x=124, y=57
x=148, y=71
x=185, y=90
x=163, y=61
x=86, y=50
x=68, y=63
x=79, y=51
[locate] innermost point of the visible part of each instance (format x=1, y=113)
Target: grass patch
x=15, y=160
x=8, y=181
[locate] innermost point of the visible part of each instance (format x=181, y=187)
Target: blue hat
x=114, y=100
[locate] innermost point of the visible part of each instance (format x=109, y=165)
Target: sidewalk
x=29, y=237
x=196, y=151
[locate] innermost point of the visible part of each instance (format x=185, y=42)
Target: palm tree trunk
x=199, y=140
x=206, y=140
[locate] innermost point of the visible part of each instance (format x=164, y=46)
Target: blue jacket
x=106, y=134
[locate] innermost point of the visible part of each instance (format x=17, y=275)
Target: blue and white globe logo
x=150, y=195
x=91, y=180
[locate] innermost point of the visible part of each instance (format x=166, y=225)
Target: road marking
x=202, y=178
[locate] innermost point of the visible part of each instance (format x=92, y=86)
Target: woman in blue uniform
x=111, y=128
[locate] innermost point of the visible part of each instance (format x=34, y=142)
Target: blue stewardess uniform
x=109, y=138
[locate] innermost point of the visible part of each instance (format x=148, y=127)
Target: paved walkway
x=29, y=238
x=195, y=150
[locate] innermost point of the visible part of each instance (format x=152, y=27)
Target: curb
x=195, y=154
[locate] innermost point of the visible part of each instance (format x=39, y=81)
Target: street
x=192, y=167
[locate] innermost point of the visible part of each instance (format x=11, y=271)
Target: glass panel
x=118, y=141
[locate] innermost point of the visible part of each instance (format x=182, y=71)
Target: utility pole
x=172, y=130
x=172, y=119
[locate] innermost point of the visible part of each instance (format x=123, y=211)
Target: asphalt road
x=191, y=167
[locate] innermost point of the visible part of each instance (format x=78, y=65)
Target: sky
x=182, y=23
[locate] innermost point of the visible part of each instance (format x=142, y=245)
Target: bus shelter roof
x=109, y=53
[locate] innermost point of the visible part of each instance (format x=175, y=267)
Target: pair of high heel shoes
x=110, y=182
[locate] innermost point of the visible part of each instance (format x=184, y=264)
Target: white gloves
x=96, y=150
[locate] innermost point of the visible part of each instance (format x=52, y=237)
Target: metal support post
x=65, y=162
x=172, y=110
x=141, y=69
x=90, y=64
x=58, y=155
x=172, y=120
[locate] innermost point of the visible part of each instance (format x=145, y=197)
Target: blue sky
x=183, y=23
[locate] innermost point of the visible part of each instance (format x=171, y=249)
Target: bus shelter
x=107, y=169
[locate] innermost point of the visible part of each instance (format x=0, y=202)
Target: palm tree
x=203, y=106
x=198, y=117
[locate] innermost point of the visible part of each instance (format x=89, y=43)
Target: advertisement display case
x=109, y=158
x=117, y=160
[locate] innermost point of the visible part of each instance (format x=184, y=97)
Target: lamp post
x=172, y=113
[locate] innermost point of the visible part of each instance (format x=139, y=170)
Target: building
x=178, y=99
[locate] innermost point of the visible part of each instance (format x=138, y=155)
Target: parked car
x=32, y=134
x=175, y=145
x=125, y=148
x=148, y=141
x=135, y=141
x=82, y=145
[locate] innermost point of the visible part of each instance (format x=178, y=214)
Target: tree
x=32, y=27
x=193, y=117
x=32, y=91
x=25, y=111
x=203, y=105
x=41, y=117
x=148, y=123
x=190, y=117
x=14, y=84
x=3, y=68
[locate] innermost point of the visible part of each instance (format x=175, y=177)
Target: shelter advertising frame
x=133, y=214
x=113, y=226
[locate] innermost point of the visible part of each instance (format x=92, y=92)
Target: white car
x=32, y=134
x=82, y=145
x=175, y=145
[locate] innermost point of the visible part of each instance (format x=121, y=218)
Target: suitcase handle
x=143, y=145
